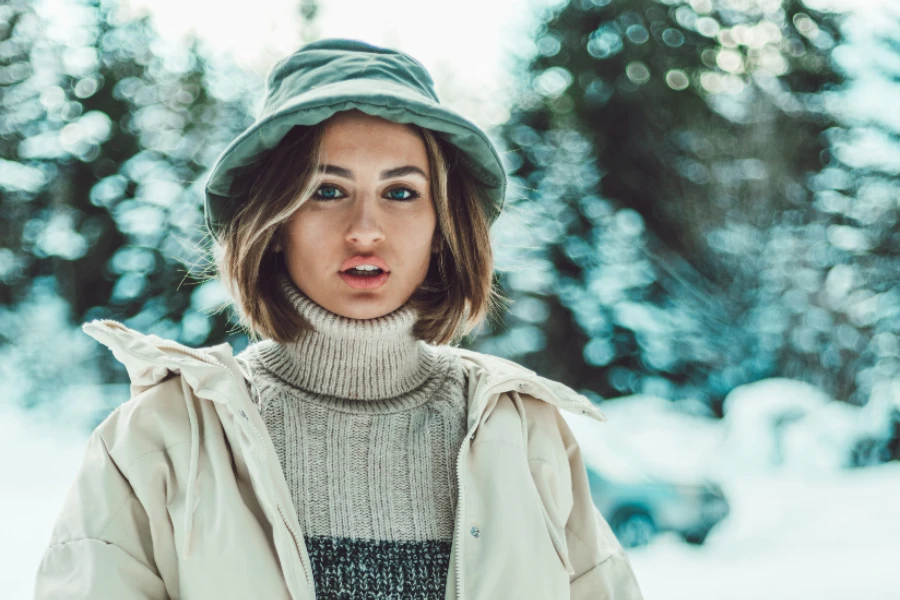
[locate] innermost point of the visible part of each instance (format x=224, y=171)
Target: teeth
x=366, y=268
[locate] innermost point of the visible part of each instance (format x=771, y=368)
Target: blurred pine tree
x=655, y=143
x=106, y=131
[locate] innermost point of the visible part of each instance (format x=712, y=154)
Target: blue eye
x=330, y=192
x=327, y=195
x=412, y=193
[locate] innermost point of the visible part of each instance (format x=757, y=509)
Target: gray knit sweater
x=367, y=422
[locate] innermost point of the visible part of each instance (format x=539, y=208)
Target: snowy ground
x=39, y=462
x=801, y=525
x=802, y=529
x=831, y=537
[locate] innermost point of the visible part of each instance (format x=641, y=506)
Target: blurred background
x=702, y=237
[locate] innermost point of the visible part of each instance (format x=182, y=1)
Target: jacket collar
x=147, y=358
x=495, y=374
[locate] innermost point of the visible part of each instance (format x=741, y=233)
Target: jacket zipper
x=295, y=534
x=460, y=502
x=205, y=359
x=460, y=515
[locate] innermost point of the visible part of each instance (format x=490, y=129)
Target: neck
x=360, y=359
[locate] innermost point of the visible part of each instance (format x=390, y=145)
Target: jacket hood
x=213, y=373
x=333, y=75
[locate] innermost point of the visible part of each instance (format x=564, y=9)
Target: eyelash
x=413, y=193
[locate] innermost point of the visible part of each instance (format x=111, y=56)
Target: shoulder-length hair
x=459, y=290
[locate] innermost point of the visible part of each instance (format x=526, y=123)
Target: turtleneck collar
x=359, y=359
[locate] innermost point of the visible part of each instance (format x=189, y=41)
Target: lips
x=360, y=259
x=366, y=282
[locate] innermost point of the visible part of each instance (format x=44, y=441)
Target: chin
x=362, y=308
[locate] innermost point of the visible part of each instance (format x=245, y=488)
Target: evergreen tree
x=647, y=146
x=846, y=325
x=106, y=134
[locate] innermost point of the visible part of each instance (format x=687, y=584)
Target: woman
x=355, y=451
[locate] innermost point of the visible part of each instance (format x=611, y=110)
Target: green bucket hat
x=333, y=75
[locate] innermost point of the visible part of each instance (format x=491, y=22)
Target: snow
x=797, y=528
x=31, y=492
x=659, y=438
x=824, y=537
x=801, y=525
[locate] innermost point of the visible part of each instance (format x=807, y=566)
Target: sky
x=469, y=46
x=465, y=44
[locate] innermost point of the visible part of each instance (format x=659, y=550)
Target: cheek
x=422, y=225
x=415, y=235
x=305, y=239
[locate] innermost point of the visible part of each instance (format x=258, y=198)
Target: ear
x=437, y=242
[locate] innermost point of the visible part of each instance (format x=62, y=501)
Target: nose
x=363, y=228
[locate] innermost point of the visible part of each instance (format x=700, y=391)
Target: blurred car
x=639, y=503
x=639, y=509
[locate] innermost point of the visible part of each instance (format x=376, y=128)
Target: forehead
x=355, y=130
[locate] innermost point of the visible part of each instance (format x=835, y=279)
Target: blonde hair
x=459, y=290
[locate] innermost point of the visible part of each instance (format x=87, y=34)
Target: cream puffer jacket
x=181, y=496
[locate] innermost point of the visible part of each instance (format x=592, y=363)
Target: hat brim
x=224, y=186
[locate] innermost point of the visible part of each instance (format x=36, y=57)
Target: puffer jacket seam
x=107, y=542
x=169, y=447
x=499, y=441
x=124, y=475
x=89, y=538
x=123, y=471
x=599, y=564
x=109, y=522
x=581, y=541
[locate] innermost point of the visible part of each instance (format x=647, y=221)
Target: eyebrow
x=388, y=174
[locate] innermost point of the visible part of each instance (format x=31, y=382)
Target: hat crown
x=335, y=60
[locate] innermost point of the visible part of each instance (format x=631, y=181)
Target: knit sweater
x=367, y=422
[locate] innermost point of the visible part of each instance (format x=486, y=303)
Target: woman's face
x=372, y=198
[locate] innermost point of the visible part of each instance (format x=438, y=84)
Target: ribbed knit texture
x=366, y=421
